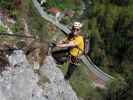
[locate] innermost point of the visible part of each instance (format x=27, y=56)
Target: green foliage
x=2, y=29
x=82, y=85
x=109, y=45
x=108, y=28
x=63, y=4
x=15, y=27
x=37, y=24
x=129, y=79
x=66, y=20
x=109, y=33
x=117, y=90
x=80, y=81
x=111, y=48
x=7, y=4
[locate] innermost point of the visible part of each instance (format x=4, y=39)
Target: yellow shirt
x=76, y=51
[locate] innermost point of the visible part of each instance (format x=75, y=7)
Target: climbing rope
x=16, y=35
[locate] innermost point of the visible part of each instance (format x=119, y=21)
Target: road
x=86, y=60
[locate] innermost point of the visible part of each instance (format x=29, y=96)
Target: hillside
x=109, y=25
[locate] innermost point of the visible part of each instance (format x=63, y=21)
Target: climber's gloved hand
x=53, y=44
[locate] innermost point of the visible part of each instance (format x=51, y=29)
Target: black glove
x=52, y=44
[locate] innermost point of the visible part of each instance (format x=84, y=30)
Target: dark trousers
x=71, y=69
x=61, y=57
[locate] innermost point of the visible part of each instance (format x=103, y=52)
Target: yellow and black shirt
x=78, y=49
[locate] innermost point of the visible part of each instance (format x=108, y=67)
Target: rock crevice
x=20, y=82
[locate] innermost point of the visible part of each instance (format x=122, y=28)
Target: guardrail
x=86, y=60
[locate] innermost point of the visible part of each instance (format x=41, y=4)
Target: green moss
x=15, y=27
x=42, y=81
x=2, y=29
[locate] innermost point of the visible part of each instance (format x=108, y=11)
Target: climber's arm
x=69, y=44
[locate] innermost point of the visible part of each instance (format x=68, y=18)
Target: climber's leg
x=60, y=56
x=71, y=69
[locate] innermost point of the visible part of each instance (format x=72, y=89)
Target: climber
x=75, y=44
x=43, y=3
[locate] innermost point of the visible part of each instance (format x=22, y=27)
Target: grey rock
x=19, y=82
x=57, y=86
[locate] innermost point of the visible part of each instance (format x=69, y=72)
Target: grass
x=6, y=38
x=69, y=4
x=2, y=29
x=81, y=83
x=37, y=25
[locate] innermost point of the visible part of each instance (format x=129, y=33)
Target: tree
x=117, y=90
x=120, y=2
x=7, y=4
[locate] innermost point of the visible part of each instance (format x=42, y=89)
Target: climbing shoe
x=66, y=77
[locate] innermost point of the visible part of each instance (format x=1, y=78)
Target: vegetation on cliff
x=109, y=24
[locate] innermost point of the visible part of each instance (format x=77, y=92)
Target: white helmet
x=77, y=25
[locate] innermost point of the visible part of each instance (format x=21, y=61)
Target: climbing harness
x=73, y=59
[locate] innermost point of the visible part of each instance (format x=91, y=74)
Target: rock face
x=20, y=82
x=57, y=86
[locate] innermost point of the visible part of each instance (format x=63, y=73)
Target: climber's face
x=75, y=30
